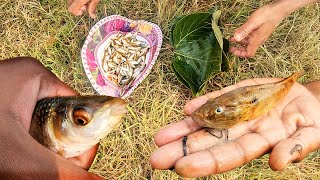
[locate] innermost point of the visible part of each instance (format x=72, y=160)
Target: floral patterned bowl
x=99, y=35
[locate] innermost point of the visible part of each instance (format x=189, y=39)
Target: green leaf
x=185, y=71
x=197, y=60
x=173, y=24
x=215, y=27
x=179, y=77
x=197, y=50
x=191, y=27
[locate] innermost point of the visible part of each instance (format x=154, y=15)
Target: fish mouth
x=119, y=106
x=196, y=118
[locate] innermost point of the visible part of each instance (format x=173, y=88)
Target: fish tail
x=294, y=77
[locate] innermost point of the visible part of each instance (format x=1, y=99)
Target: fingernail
x=237, y=37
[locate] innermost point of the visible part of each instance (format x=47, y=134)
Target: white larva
x=124, y=58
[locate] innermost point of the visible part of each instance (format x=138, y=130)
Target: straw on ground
x=44, y=30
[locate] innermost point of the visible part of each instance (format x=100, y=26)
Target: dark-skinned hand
x=24, y=81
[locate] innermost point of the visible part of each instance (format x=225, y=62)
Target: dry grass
x=44, y=30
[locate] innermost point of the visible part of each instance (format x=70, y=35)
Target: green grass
x=43, y=29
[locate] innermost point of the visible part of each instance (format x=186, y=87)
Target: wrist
x=286, y=7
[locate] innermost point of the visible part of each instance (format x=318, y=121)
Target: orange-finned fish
x=71, y=125
x=243, y=104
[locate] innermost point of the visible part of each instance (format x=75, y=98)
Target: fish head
x=84, y=121
x=214, y=114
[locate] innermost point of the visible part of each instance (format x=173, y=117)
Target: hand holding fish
x=24, y=81
x=261, y=24
x=289, y=131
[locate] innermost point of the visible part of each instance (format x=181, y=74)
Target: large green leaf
x=178, y=76
x=173, y=25
x=198, y=53
x=191, y=27
x=196, y=60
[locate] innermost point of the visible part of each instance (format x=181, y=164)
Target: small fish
x=242, y=104
x=128, y=35
x=71, y=125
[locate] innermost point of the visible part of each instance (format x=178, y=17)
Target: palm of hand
x=290, y=130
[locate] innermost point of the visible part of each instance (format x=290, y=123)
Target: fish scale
x=42, y=115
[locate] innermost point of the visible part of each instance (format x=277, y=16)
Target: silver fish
x=70, y=126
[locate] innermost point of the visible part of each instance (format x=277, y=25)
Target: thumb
x=244, y=30
x=52, y=86
x=295, y=148
x=86, y=159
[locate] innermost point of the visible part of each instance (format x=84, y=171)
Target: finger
x=176, y=131
x=51, y=86
x=83, y=8
x=197, y=102
x=244, y=30
x=257, y=38
x=92, y=8
x=85, y=160
x=295, y=148
x=243, y=41
x=224, y=157
x=70, y=2
x=239, y=51
x=75, y=7
x=166, y=156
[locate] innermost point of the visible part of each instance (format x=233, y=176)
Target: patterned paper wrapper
x=99, y=33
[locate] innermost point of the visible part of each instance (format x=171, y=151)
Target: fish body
x=242, y=104
x=71, y=125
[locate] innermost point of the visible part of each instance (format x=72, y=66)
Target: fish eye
x=81, y=116
x=219, y=110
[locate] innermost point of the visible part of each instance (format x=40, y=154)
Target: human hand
x=24, y=81
x=257, y=30
x=289, y=131
x=78, y=7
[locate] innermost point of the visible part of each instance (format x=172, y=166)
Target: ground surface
x=43, y=29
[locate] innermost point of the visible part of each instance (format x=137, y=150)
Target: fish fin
x=295, y=76
x=218, y=133
x=246, y=102
x=61, y=152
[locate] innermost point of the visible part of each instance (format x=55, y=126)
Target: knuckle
x=242, y=153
